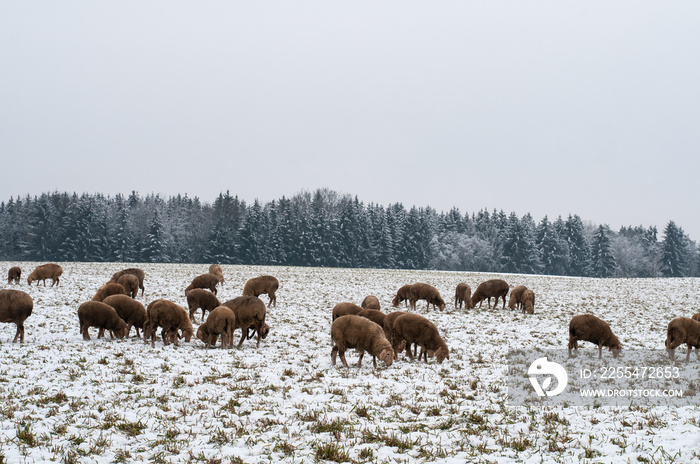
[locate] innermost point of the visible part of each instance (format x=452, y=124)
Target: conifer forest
x=328, y=229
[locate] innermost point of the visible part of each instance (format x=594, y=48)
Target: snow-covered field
x=63, y=399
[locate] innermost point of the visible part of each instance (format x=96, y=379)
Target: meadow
x=63, y=399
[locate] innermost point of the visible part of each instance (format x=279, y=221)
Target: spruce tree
x=674, y=248
x=602, y=259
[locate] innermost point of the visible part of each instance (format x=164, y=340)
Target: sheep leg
x=408, y=350
x=86, y=333
x=690, y=348
x=244, y=332
x=20, y=333
x=342, y=358
x=334, y=353
x=600, y=351
x=359, y=361
x=128, y=330
x=101, y=332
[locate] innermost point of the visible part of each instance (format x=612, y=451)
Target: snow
x=63, y=399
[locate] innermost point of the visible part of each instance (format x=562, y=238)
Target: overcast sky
x=552, y=108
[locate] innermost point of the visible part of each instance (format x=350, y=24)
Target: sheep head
x=441, y=354
x=387, y=355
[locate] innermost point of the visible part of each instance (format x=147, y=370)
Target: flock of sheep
x=114, y=308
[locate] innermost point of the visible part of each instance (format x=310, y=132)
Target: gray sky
x=589, y=108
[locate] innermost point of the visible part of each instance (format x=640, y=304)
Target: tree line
x=326, y=228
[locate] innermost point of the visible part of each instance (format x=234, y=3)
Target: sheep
x=590, y=328
x=46, y=271
x=130, y=283
x=343, y=309
x=250, y=314
x=203, y=281
x=402, y=294
x=421, y=291
x=216, y=270
x=103, y=316
x=171, y=317
x=491, y=288
x=221, y=321
x=388, y=325
x=263, y=284
x=463, y=296
x=134, y=271
x=200, y=298
x=696, y=317
x=13, y=275
x=528, y=302
x=682, y=330
x=516, y=295
x=362, y=334
x=107, y=290
x=414, y=328
x=130, y=310
x=373, y=315
x=370, y=302
x=16, y=306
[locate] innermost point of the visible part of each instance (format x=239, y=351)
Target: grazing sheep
x=130, y=283
x=200, y=298
x=103, y=316
x=491, y=288
x=362, y=334
x=516, y=296
x=46, y=271
x=528, y=302
x=402, y=294
x=130, y=310
x=371, y=302
x=414, y=328
x=589, y=328
x=421, y=291
x=216, y=270
x=373, y=315
x=343, y=309
x=250, y=314
x=15, y=306
x=171, y=317
x=14, y=274
x=263, y=284
x=682, y=330
x=388, y=325
x=203, y=281
x=221, y=321
x=107, y=290
x=134, y=271
x=463, y=296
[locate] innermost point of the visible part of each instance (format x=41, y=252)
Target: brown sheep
x=388, y=325
x=216, y=270
x=107, y=290
x=133, y=271
x=362, y=334
x=263, y=284
x=13, y=275
x=414, y=328
x=516, y=296
x=130, y=310
x=528, y=301
x=130, y=283
x=171, y=317
x=682, y=330
x=15, y=306
x=221, y=321
x=373, y=315
x=421, y=291
x=200, y=298
x=370, y=302
x=250, y=314
x=203, y=281
x=103, y=316
x=696, y=317
x=343, y=309
x=46, y=271
x=463, y=296
x=402, y=294
x=491, y=288
x=589, y=328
